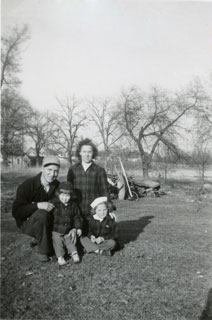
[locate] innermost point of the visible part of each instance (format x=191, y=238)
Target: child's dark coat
x=108, y=228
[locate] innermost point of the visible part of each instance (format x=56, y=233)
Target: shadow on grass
x=207, y=312
x=130, y=230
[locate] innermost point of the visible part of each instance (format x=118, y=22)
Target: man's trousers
x=39, y=226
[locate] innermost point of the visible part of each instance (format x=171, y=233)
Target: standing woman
x=89, y=179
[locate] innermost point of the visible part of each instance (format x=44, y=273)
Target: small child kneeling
x=67, y=224
x=103, y=229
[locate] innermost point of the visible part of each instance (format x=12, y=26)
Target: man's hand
x=100, y=240
x=45, y=206
x=79, y=232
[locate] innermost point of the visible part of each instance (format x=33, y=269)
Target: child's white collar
x=96, y=217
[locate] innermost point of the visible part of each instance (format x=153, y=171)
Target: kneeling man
x=31, y=208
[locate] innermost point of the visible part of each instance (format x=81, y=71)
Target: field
x=163, y=269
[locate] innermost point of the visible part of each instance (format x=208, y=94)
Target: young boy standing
x=67, y=224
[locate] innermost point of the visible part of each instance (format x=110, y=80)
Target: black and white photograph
x=106, y=160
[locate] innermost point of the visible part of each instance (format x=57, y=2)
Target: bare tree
x=201, y=156
x=10, y=55
x=165, y=157
x=66, y=123
x=153, y=118
x=202, y=137
x=15, y=113
x=103, y=116
x=15, y=109
x=39, y=133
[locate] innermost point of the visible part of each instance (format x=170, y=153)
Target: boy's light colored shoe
x=61, y=261
x=98, y=251
x=75, y=257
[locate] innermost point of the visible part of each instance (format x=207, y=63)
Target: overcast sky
x=96, y=47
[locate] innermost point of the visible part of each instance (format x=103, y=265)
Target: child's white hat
x=97, y=201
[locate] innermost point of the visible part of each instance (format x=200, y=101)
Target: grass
x=162, y=271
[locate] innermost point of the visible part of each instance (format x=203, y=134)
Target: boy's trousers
x=91, y=246
x=60, y=242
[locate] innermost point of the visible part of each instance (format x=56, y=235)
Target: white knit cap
x=97, y=201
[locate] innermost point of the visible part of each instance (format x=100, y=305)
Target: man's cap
x=48, y=160
x=97, y=201
x=66, y=187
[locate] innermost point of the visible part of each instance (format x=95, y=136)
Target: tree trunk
x=145, y=161
x=203, y=174
x=165, y=170
x=37, y=161
x=5, y=158
x=37, y=156
x=106, y=160
x=4, y=150
x=70, y=157
x=145, y=168
x=165, y=173
x=105, y=163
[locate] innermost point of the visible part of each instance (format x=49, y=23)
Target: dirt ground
x=163, y=269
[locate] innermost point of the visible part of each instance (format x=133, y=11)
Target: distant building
x=29, y=159
x=18, y=161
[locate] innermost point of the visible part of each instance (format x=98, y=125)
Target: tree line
x=151, y=123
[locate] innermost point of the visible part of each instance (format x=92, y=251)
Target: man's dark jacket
x=66, y=218
x=29, y=193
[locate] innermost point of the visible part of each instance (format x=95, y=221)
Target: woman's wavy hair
x=86, y=142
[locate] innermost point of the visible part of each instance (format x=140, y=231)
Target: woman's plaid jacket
x=88, y=185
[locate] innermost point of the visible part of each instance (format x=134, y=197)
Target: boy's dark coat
x=66, y=218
